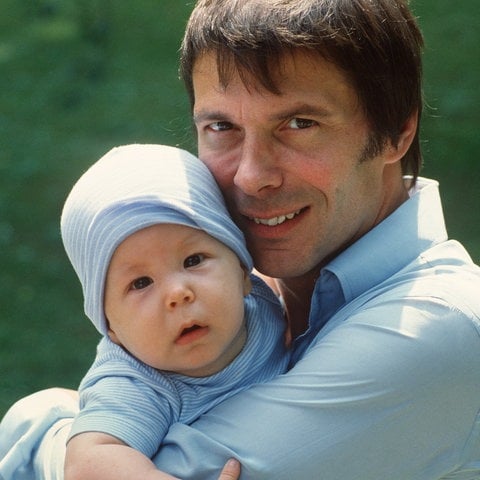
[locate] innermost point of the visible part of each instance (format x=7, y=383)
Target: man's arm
x=391, y=392
x=99, y=456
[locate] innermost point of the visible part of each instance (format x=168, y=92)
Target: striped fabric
x=130, y=188
x=125, y=398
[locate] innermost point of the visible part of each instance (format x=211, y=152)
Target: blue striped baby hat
x=134, y=187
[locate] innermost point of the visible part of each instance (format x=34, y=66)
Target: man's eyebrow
x=290, y=112
x=205, y=115
x=301, y=109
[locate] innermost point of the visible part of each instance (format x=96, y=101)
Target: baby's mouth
x=187, y=330
x=191, y=333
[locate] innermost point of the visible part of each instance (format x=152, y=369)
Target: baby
x=167, y=281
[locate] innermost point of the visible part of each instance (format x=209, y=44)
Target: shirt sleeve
x=126, y=408
x=391, y=392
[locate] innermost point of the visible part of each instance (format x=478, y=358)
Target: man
x=307, y=113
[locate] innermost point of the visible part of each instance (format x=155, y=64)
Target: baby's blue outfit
x=136, y=403
x=128, y=189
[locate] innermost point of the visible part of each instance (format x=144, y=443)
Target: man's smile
x=273, y=221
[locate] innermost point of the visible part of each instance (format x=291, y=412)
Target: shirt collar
x=415, y=226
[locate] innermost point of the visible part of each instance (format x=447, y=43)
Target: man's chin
x=276, y=266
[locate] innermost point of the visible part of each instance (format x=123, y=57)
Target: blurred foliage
x=78, y=77
x=81, y=76
x=452, y=117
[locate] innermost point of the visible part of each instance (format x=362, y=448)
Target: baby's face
x=174, y=299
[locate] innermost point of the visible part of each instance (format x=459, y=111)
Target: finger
x=231, y=470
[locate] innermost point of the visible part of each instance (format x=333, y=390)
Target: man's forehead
x=303, y=78
x=291, y=66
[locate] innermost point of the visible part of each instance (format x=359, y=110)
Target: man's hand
x=231, y=470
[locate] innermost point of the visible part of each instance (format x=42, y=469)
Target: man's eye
x=300, y=123
x=193, y=260
x=220, y=126
x=142, y=282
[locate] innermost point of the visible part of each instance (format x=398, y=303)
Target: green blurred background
x=81, y=76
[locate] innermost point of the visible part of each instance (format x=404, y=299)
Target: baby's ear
x=113, y=336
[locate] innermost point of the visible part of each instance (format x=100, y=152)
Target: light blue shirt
x=386, y=381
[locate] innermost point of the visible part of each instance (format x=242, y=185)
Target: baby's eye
x=193, y=260
x=142, y=282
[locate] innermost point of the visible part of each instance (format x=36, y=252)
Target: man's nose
x=258, y=169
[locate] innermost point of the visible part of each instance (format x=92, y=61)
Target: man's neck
x=297, y=295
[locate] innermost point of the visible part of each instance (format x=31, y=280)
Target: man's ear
x=404, y=140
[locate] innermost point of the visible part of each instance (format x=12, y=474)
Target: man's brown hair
x=376, y=43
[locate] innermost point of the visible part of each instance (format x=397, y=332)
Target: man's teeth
x=271, y=222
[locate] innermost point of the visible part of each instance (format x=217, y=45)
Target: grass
x=79, y=77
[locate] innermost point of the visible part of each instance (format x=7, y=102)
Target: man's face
x=292, y=166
